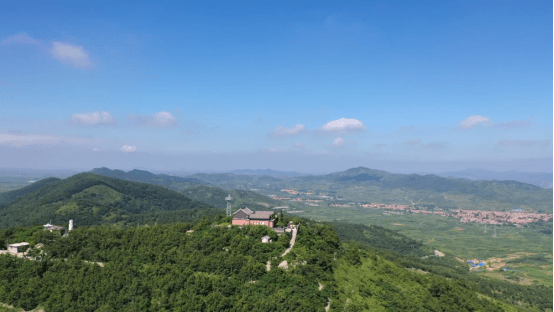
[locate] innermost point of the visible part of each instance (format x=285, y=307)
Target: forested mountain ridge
x=9, y=196
x=146, y=177
x=202, y=267
x=196, y=188
x=451, y=193
x=92, y=199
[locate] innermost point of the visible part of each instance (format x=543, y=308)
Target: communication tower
x=228, y=198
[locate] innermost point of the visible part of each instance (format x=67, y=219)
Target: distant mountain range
x=146, y=177
x=535, y=178
x=198, y=187
x=267, y=172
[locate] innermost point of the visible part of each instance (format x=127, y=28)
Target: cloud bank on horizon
x=325, y=90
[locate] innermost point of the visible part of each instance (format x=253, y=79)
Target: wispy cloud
x=380, y=145
x=523, y=143
x=94, y=118
x=299, y=145
x=412, y=142
x=128, y=148
x=338, y=142
x=473, y=121
x=71, y=54
x=281, y=131
x=21, y=38
x=343, y=126
x=61, y=51
x=160, y=119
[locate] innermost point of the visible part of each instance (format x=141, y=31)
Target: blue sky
x=318, y=86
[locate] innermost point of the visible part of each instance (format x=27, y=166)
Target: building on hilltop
x=17, y=248
x=246, y=216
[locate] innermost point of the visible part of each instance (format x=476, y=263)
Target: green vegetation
x=205, y=267
x=17, y=192
x=367, y=185
x=196, y=189
x=92, y=199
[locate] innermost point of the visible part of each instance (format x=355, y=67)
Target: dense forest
x=92, y=199
x=195, y=188
x=410, y=254
x=210, y=266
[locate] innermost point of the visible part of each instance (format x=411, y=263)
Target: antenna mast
x=228, y=198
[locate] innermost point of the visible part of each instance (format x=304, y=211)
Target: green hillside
x=200, y=267
x=92, y=199
x=197, y=189
x=9, y=196
x=146, y=177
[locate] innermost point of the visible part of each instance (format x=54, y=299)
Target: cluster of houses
x=498, y=217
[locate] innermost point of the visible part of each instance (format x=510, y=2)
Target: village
x=516, y=217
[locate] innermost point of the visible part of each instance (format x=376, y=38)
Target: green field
x=465, y=241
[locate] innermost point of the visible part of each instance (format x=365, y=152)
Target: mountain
x=12, y=195
x=363, y=184
x=541, y=179
x=267, y=172
x=91, y=199
x=197, y=189
x=204, y=266
x=146, y=177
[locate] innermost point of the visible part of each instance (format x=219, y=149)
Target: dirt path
x=292, y=241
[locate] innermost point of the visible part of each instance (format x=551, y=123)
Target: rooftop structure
x=245, y=216
x=16, y=248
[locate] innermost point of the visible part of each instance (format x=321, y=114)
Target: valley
x=415, y=236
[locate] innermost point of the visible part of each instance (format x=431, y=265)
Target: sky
x=307, y=86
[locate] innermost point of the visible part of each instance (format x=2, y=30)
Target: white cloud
x=299, y=145
x=160, y=119
x=343, y=125
x=128, y=148
x=61, y=51
x=338, y=142
x=21, y=38
x=281, y=131
x=94, y=118
x=72, y=54
x=472, y=121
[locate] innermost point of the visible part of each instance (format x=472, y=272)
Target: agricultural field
x=525, y=251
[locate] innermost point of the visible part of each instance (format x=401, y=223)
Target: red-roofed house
x=246, y=216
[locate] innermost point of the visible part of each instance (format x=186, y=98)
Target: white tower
x=70, y=225
x=228, y=198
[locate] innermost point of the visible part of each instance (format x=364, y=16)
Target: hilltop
x=202, y=266
x=94, y=199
